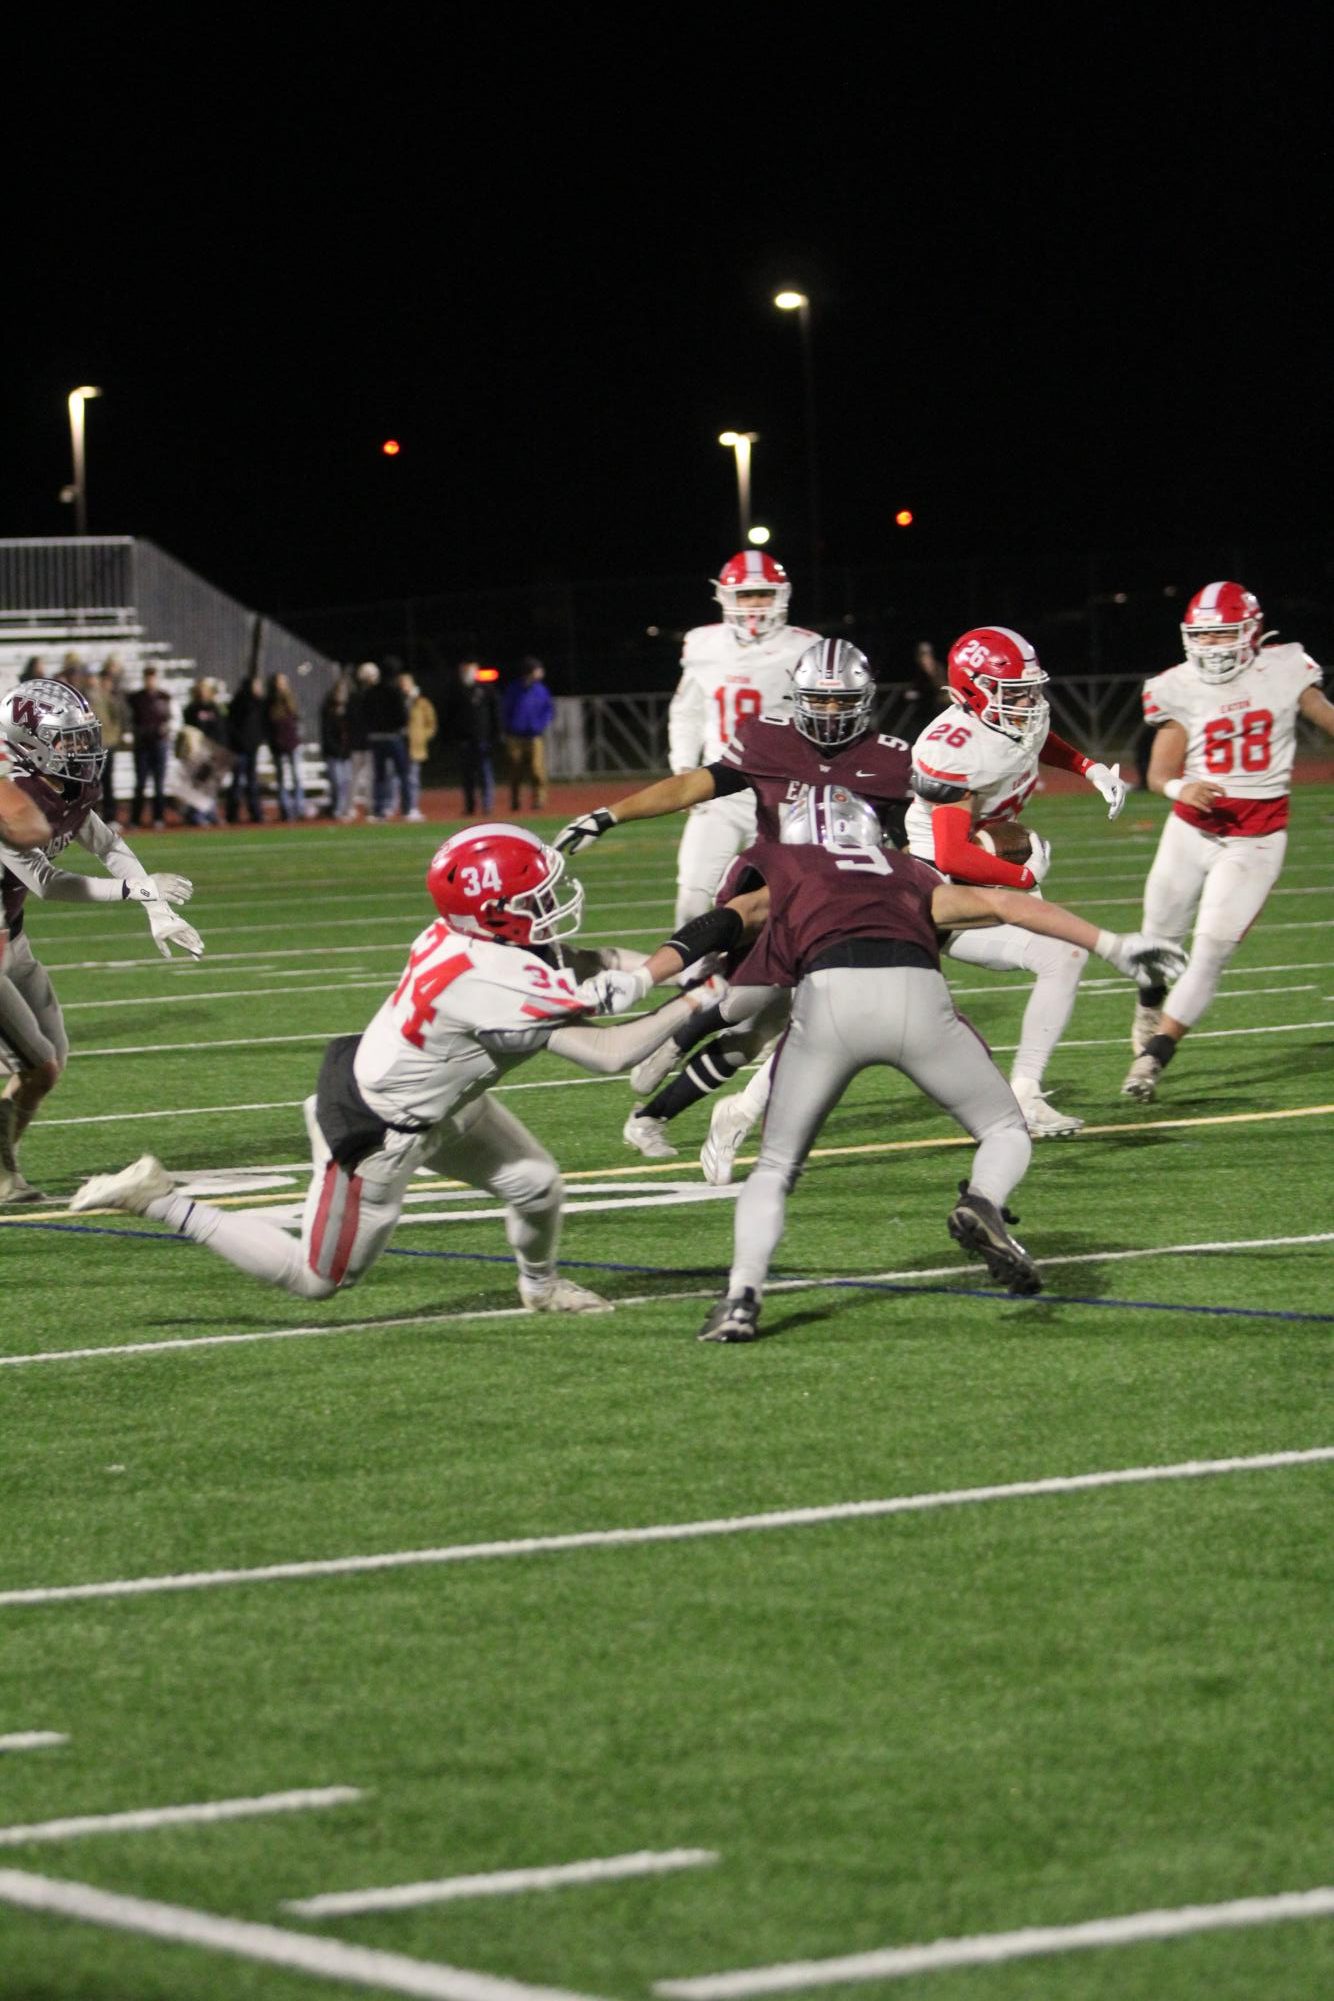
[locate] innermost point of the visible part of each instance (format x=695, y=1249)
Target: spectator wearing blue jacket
x=528, y=711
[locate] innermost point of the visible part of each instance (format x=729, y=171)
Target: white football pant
x=1229, y=881
x=714, y=833
x=349, y=1218
x=1056, y=968
x=845, y=1019
x=32, y=1027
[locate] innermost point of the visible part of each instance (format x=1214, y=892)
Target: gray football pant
x=843, y=1020
x=32, y=1028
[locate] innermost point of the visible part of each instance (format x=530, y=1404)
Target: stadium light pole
x=78, y=492
x=740, y=442
x=792, y=301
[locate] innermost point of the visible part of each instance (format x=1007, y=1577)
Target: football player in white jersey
x=738, y=667
x=1223, y=755
x=412, y=1091
x=978, y=762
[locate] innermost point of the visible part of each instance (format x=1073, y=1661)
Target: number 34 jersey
x=1240, y=734
x=958, y=748
x=465, y=1010
x=725, y=679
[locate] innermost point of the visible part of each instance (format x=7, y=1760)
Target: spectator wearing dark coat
x=150, y=726
x=336, y=746
x=385, y=713
x=282, y=733
x=245, y=735
x=204, y=712
x=472, y=725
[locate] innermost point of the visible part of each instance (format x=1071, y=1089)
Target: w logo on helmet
x=25, y=711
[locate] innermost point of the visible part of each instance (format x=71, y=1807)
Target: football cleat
x=729, y=1123
x=143, y=1181
x=1142, y=1079
x=655, y=1068
x=1043, y=1120
x=559, y=1295
x=1144, y=1027
x=980, y=1227
x=736, y=1319
x=649, y=1136
x=15, y=1189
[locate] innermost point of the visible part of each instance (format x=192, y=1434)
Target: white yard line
x=990, y=1948
x=32, y=1740
x=142, y=1818
x=566, y=1083
x=269, y=1945
x=158, y=1000
x=501, y=1883
x=690, y=1531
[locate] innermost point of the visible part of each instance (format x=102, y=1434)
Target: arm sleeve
x=959, y=855
x=105, y=842
x=58, y=885
x=1058, y=752
x=726, y=778
x=686, y=717
x=609, y=1050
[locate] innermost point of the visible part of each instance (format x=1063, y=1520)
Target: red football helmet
x=752, y=574
x=501, y=882
x=995, y=673
x=1221, y=630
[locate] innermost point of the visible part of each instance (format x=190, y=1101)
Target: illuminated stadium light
x=790, y=302
x=759, y=536
x=904, y=518
x=391, y=448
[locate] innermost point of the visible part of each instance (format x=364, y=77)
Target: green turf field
x=846, y=1734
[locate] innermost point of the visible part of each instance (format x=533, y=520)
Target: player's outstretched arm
x=1313, y=705
x=613, y=1048
x=669, y=795
x=1105, y=779
x=1149, y=961
x=719, y=930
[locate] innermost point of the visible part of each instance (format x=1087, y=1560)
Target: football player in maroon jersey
x=852, y=929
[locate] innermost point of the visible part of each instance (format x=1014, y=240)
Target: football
x=1006, y=838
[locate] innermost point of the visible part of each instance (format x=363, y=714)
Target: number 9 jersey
x=1240, y=734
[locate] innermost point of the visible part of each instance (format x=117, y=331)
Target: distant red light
x=391, y=448
x=903, y=519
x=488, y=673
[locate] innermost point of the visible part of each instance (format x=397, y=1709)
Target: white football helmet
x=829, y=816
x=753, y=575
x=833, y=693
x=1221, y=630
x=49, y=728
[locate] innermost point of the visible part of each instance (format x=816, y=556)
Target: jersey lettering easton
x=772, y=758
x=821, y=897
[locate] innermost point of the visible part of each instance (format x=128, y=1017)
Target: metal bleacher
x=81, y=600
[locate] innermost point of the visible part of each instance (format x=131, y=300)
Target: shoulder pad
x=936, y=791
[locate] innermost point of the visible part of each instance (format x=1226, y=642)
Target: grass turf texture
x=1037, y=1711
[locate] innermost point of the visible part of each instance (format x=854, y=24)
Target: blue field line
x=714, y=1272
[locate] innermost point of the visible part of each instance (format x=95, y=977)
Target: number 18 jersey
x=1240, y=734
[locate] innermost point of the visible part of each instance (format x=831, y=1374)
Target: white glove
x=1111, y=785
x=169, y=930
x=158, y=889
x=581, y=833
x=1039, y=856
x=705, y=993
x=612, y=992
x=1150, y=962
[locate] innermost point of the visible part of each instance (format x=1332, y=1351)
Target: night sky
x=1065, y=295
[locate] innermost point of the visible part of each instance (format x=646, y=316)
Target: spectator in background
x=386, y=716
x=367, y=678
x=930, y=672
x=282, y=733
x=113, y=712
x=423, y=727
x=529, y=711
x=473, y=726
x=245, y=734
x=150, y=727
x=336, y=746
x=203, y=711
x=73, y=673
x=36, y=669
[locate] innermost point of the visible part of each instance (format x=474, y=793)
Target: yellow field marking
x=282, y=1198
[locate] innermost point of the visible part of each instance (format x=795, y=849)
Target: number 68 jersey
x=1240, y=734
